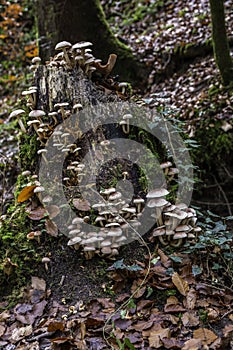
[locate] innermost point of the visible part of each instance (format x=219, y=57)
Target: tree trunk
x=75, y=21
x=220, y=43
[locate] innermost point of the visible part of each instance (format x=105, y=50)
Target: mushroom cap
x=157, y=203
x=114, y=196
x=180, y=235
x=178, y=214
x=106, y=250
x=108, y=190
x=129, y=210
x=127, y=116
x=89, y=249
x=138, y=200
x=81, y=45
x=34, y=121
x=159, y=231
x=39, y=189
x=183, y=228
x=165, y=165
x=105, y=243
x=16, y=113
x=74, y=240
x=113, y=224
x=63, y=45
x=36, y=59
x=45, y=259
x=36, y=113
x=157, y=193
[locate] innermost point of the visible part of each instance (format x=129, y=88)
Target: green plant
x=215, y=244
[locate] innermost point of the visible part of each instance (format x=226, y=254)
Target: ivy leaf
x=196, y=270
x=176, y=259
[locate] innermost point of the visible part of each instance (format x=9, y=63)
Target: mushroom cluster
x=114, y=218
x=175, y=223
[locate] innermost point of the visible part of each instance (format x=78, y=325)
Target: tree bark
x=75, y=21
x=220, y=42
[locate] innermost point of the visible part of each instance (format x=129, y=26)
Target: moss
x=28, y=152
x=215, y=146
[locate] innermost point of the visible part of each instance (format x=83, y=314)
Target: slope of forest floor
x=186, y=299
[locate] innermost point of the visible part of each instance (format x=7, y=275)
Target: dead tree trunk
x=74, y=21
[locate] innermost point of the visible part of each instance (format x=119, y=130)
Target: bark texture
x=75, y=21
x=220, y=42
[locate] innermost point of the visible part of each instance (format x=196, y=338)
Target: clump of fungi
x=115, y=221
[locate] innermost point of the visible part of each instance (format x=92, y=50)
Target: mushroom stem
x=21, y=124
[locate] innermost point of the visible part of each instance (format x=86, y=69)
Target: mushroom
x=81, y=46
x=157, y=193
x=17, y=114
x=61, y=106
x=123, y=87
x=64, y=46
x=32, y=97
x=37, y=114
x=165, y=166
x=138, y=203
x=158, y=204
x=46, y=261
x=36, y=60
x=123, y=124
x=89, y=252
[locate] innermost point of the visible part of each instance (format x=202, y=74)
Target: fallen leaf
x=205, y=335
x=180, y=284
x=81, y=204
x=55, y=326
x=164, y=258
x=191, y=299
x=26, y=193
x=36, y=214
x=156, y=337
x=20, y=333
x=190, y=319
x=192, y=344
x=2, y=330
x=53, y=210
x=38, y=283
x=51, y=228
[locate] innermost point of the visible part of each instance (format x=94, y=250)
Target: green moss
x=28, y=152
x=215, y=145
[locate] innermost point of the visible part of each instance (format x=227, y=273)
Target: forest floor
x=150, y=297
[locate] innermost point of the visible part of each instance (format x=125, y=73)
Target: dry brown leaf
x=164, y=258
x=190, y=319
x=173, y=305
x=192, y=344
x=2, y=330
x=156, y=337
x=36, y=214
x=38, y=283
x=20, y=333
x=205, y=335
x=228, y=330
x=55, y=326
x=51, y=227
x=53, y=210
x=26, y=193
x=191, y=299
x=180, y=284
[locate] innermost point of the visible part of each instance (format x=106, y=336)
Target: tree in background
x=220, y=42
x=74, y=21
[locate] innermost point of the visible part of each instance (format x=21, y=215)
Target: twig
x=224, y=196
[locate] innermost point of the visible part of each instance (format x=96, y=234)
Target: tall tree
x=220, y=42
x=74, y=21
